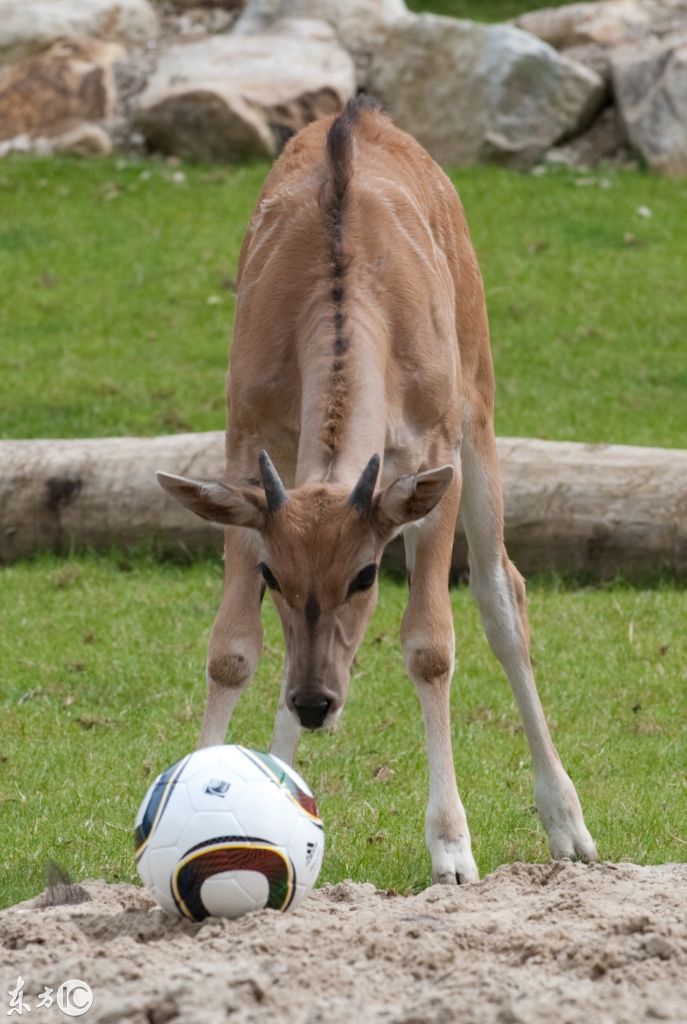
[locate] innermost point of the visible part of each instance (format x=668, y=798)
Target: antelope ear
x=209, y=499
x=412, y=497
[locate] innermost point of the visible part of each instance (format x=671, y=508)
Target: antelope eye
x=269, y=577
x=364, y=579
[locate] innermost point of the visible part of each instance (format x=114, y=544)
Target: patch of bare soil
x=531, y=944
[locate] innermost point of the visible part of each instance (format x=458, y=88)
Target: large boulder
x=45, y=96
x=470, y=92
x=589, y=32
x=239, y=95
x=607, y=23
x=29, y=26
x=650, y=85
x=360, y=25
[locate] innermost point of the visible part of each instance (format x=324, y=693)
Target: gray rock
x=604, y=142
x=470, y=92
x=238, y=95
x=592, y=55
x=650, y=85
x=607, y=23
x=305, y=28
x=359, y=24
x=29, y=26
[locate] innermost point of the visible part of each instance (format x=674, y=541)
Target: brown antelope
x=361, y=328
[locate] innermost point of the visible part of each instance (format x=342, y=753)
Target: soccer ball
x=227, y=830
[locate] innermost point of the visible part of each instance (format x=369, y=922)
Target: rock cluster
x=639, y=48
x=220, y=79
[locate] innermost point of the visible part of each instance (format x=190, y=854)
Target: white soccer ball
x=227, y=830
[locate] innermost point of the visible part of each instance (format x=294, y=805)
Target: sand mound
x=563, y=943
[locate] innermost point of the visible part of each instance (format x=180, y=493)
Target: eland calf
x=361, y=363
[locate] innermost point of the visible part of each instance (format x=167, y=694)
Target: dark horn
x=275, y=492
x=361, y=497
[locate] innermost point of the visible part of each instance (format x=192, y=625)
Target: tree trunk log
x=601, y=510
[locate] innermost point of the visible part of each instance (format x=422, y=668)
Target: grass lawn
x=116, y=302
x=477, y=10
x=102, y=677
x=116, y=298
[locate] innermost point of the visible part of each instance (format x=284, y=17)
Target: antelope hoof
x=561, y=814
x=573, y=844
x=452, y=863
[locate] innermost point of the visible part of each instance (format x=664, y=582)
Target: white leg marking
x=287, y=730
x=220, y=706
x=411, y=535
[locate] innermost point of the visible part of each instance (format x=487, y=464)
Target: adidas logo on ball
x=218, y=787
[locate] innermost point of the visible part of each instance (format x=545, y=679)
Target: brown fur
x=344, y=297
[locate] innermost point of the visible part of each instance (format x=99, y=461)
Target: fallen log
x=600, y=510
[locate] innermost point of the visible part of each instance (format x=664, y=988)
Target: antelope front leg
x=429, y=648
x=286, y=730
x=236, y=637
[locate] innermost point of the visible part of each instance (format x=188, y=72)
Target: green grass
x=116, y=298
x=108, y=275
x=103, y=666
x=477, y=10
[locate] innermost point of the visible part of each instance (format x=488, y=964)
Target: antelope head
x=320, y=547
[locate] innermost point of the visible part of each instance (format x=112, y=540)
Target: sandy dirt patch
x=555, y=943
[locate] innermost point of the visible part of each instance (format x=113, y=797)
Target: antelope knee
x=231, y=669
x=429, y=661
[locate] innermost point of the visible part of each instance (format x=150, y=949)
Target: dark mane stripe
x=339, y=146
x=339, y=152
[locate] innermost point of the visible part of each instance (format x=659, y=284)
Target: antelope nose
x=312, y=711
